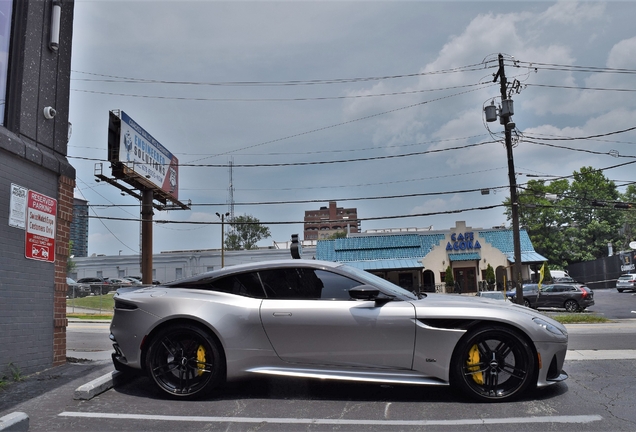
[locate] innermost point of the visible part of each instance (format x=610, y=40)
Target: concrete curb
x=14, y=422
x=97, y=386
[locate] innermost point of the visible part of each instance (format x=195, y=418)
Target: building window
x=6, y=9
x=178, y=273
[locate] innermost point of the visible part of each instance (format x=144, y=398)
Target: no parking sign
x=40, y=227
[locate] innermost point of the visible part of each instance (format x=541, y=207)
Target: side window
x=306, y=284
x=245, y=284
x=335, y=286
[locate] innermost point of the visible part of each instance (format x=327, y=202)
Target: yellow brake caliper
x=201, y=359
x=473, y=365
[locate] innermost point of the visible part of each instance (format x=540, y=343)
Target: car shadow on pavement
x=324, y=390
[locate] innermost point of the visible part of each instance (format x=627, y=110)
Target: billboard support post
x=146, y=236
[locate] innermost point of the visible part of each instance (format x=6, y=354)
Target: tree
x=70, y=264
x=448, y=278
x=337, y=235
x=562, y=220
x=246, y=232
x=490, y=276
x=628, y=229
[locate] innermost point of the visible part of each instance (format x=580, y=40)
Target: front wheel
x=185, y=361
x=571, y=306
x=493, y=364
x=526, y=303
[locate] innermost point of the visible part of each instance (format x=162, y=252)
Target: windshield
x=383, y=284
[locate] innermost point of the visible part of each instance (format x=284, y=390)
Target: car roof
x=261, y=265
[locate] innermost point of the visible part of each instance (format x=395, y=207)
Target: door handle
x=278, y=314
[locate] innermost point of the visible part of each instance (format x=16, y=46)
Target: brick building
x=35, y=67
x=323, y=223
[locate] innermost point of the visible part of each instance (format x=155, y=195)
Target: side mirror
x=364, y=292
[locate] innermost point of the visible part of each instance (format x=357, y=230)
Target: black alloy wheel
x=493, y=364
x=185, y=361
x=571, y=306
x=526, y=303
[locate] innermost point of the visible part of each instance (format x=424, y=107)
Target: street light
x=222, y=216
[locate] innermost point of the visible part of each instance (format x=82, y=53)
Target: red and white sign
x=40, y=227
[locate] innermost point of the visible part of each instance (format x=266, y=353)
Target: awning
x=464, y=257
x=388, y=264
x=527, y=257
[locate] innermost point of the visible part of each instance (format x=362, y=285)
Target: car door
x=546, y=296
x=309, y=318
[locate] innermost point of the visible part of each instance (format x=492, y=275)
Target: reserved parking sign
x=40, y=227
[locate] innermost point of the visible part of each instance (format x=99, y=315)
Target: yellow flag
x=541, y=272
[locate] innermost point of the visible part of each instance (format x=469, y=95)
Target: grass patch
x=99, y=303
x=579, y=318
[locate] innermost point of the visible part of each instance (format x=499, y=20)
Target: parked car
x=132, y=280
x=99, y=286
x=571, y=297
x=530, y=292
x=325, y=320
x=494, y=295
x=626, y=282
x=75, y=289
x=118, y=282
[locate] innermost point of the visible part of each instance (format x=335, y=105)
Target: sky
x=375, y=105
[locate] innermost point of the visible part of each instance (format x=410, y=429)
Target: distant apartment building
x=79, y=228
x=323, y=223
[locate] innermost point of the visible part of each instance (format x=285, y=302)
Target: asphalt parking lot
x=87, y=388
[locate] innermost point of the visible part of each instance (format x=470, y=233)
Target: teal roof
x=394, y=264
x=374, y=248
x=502, y=240
x=464, y=256
x=407, y=250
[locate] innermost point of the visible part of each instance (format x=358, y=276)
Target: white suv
x=626, y=282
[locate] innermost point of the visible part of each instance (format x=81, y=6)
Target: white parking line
x=205, y=419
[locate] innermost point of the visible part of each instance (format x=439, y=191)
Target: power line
x=302, y=222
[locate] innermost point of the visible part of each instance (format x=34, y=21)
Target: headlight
x=549, y=327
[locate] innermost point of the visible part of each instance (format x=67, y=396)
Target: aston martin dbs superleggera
x=314, y=319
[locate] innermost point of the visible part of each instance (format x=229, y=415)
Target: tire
x=526, y=303
x=571, y=306
x=185, y=362
x=619, y=290
x=493, y=364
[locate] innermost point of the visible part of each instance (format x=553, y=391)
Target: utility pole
x=222, y=216
x=504, y=116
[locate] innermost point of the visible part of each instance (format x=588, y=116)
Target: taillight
x=584, y=292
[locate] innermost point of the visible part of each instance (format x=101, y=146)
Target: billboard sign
x=146, y=158
x=40, y=227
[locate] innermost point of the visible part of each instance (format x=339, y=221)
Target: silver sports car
x=314, y=319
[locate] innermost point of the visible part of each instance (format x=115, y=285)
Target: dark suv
x=99, y=286
x=571, y=297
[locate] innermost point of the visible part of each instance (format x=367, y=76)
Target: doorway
x=467, y=279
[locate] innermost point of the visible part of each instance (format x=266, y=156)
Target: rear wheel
x=619, y=289
x=185, y=361
x=571, y=305
x=493, y=363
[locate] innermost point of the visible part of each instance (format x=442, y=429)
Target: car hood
x=445, y=306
